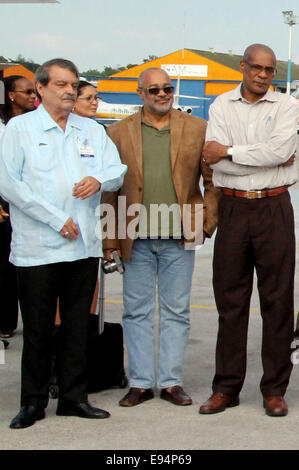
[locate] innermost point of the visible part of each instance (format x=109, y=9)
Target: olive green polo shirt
x=160, y=214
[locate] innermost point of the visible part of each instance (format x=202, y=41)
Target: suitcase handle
x=101, y=297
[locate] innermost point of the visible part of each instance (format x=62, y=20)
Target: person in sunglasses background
x=162, y=148
x=19, y=98
x=251, y=141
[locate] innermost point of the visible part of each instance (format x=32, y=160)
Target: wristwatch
x=229, y=151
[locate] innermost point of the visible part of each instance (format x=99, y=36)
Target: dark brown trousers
x=256, y=234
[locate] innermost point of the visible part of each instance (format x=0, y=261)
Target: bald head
x=254, y=48
x=156, y=92
x=143, y=77
x=258, y=68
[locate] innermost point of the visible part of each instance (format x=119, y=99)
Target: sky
x=97, y=33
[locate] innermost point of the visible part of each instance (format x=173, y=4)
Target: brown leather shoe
x=176, y=395
x=275, y=406
x=135, y=396
x=218, y=402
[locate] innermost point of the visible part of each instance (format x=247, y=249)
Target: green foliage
x=28, y=63
x=109, y=70
x=106, y=72
x=150, y=57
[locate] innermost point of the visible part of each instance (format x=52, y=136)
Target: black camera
x=115, y=264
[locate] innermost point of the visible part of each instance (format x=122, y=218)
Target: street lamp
x=291, y=20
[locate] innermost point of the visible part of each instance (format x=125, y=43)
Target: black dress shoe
x=82, y=410
x=27, y=417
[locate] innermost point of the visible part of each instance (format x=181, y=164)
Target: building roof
x=8, y=69
x=233, y=61
x=5, y=65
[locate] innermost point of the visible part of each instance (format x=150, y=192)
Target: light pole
x=291, y=20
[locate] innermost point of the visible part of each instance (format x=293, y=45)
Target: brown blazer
x=187, y=135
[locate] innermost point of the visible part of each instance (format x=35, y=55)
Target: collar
x=147, y=123
x=236, y=95
x=48, y=122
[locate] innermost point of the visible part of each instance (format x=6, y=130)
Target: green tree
x=150, y=57
x=94, y=72
x=28, y=63
x=107, y=71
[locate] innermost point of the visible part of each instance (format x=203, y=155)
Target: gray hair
x=42, y=73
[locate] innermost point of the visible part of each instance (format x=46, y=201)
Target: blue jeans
x=166, y=263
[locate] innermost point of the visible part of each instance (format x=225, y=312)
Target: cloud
x=54, y=43
x=44, y=45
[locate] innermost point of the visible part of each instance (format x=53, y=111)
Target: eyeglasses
x=168, y=90
x=256, y=68
x=27, y=92
x=89, y=98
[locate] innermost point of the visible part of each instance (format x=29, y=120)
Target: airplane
x=117, y=111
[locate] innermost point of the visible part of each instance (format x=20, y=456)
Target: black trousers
x=39, y=288
x=254, y=234
x=8, y=278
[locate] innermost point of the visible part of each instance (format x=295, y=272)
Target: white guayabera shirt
x=39, y=165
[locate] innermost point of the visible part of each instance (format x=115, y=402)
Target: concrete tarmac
x=157, y=424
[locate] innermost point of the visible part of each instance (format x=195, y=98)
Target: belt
x=254, y=194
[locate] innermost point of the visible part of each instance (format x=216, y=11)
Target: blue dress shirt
x=39, y=165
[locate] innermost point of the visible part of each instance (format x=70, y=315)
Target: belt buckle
x=254, y=194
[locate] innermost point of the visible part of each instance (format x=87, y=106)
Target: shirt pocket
x=43, y=158
x=43, y=173
x=51, y=239
x=89, y=165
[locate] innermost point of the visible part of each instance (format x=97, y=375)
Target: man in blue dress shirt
x=53, y=167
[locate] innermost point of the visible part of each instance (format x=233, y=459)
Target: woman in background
x=87, y=100
x=19, y=98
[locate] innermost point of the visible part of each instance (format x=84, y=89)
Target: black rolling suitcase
x=105, y=354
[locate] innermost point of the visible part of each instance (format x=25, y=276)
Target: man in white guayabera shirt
x=251, y=140
x=53, y=167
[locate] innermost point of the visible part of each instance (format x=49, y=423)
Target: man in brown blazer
x=159, y=216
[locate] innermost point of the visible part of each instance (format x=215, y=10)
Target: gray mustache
x=68, y=97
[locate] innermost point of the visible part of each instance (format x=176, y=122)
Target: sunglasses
x=27, y=92
x=256, y=68
x=168, y=90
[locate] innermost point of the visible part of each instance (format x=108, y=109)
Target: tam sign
x=185, y=70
